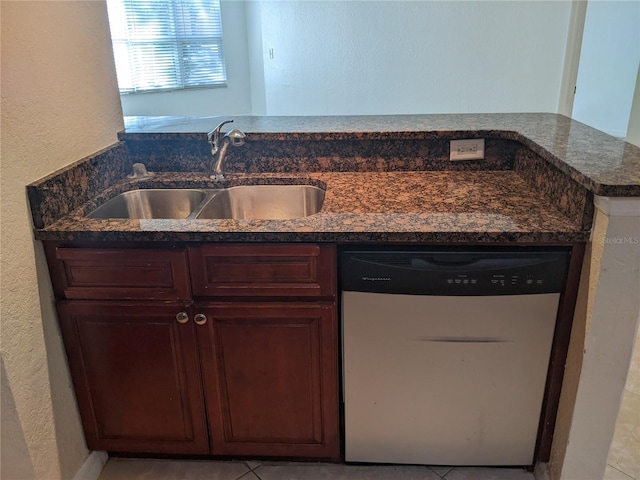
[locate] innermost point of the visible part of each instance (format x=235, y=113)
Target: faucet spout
x=222, y=151
x=219, y=147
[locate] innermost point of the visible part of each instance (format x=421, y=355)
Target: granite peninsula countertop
x=394, y=182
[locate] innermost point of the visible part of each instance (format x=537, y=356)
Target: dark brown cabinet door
x=270, y=376
x=136, y=375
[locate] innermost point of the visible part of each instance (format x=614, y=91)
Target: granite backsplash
x=557, y=188
x=192, y=154
x=65, y=190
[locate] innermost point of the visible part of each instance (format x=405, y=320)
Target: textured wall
x=59, y=103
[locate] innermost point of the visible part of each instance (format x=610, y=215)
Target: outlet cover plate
x=469, y=149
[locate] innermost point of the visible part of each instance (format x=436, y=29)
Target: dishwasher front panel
x=445, y=380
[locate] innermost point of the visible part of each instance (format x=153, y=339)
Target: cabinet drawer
x=276, y=271
x=88, y=273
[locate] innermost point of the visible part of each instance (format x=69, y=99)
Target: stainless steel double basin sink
x=265, y=202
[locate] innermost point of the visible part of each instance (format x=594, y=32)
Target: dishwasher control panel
x=498, y=280
x=473, y=271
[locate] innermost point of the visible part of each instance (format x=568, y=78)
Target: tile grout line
x=244, y=475
x=626, y=390
x=252, y=469
x=254, y=472
x=443, y=475
x=622, y=472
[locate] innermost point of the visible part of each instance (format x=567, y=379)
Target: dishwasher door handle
x=462, y=340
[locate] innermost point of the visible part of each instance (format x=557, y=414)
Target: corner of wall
x=611, y=311
x=633, y=130
x=573, y=366
x=572, y=57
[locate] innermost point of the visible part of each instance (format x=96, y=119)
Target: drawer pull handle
x=182, y=317
x=200, y=319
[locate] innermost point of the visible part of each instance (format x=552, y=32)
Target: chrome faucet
x=219, y=147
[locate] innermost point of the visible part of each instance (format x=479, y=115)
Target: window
x=162, y=45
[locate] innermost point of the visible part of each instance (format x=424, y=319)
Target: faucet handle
x=214, y=135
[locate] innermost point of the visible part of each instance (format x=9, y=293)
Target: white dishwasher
x=446, y=352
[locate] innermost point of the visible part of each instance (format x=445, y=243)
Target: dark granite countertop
x=603, y=164
x=387, y=178
x=434, y=206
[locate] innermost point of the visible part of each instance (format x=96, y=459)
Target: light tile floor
x=146, y=469
x=624, y=455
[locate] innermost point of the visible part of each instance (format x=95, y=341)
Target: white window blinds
x=167, y=44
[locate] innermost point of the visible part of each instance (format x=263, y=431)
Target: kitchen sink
x=267, y=202
x=167, y=203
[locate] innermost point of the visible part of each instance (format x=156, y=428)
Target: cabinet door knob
x=182, y=317
x=200, y=319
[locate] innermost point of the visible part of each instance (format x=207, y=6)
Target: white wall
x=256, y=61
x=572, y=57
x=234, y=99
x=382, y=57
x=608, y=65
x=59, y=103
x=633, y=130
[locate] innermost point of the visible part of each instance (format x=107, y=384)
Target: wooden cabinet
x=270, y=379
x=250, y=369
x=119, y=274
x=136, y=376
x=270, y=271
x=269, y=356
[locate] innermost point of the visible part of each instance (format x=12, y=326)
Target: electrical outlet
x=470, y=149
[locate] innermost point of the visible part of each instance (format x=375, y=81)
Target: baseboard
x=92, y=466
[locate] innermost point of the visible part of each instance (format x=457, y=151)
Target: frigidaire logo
x=376, y=279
